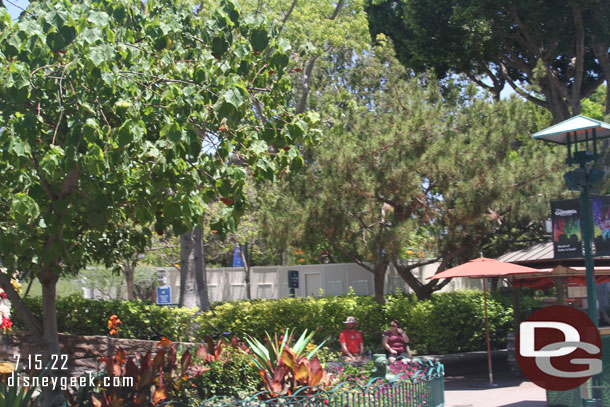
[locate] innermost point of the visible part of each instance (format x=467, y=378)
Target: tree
x=324, y=35
x=405, y=164
x=106, y=107
x=552, y=54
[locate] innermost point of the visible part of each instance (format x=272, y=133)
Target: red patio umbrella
x=485, y=268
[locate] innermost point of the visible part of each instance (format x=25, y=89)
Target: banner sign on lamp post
x=567, y=238
x=601, y=225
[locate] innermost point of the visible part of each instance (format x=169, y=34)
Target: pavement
x=467, y=382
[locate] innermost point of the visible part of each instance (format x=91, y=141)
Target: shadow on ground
x=467, y=384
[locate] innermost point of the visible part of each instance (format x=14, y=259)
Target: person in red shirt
x=352, y=345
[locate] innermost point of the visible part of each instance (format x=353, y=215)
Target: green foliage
x=235, y=377
x=19, y=396
x=449, y=170
x=504, y=42
x=447, y=323
x=266, y=357
x=123, y=119
x=257, y=317
x=595, y=105
x=141, y=319
x=462, y=316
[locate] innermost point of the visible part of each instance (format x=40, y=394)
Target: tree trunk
x=49, y=339
x=601, y=53
x=188, y=283
x=244, y=261
x=422, y=291
x=379, y=272
x=200, y=271
x=128, y=271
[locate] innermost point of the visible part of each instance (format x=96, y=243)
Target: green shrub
x=141, y=319
x=234, y=377
x=323, y=315
x=447, y=323
x=455, y=322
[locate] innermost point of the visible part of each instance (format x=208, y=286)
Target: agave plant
x=286, y=368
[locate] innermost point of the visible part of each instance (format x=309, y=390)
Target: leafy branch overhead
x=552, y=55
x=115, y=112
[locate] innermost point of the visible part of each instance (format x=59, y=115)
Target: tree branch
x=520, y=91
x=579, y=57
x=24, y=312
x=351, y=256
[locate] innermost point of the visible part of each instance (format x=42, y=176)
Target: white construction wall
x=271, y=282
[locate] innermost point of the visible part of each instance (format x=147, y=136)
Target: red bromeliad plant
x=286, y=369
x=145, y=381
x=215, y=351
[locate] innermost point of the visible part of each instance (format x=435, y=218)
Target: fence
x=425, y=388
x=584, y=396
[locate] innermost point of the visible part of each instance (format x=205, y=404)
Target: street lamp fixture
x=580, y=134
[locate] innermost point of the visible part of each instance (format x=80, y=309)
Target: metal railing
x=425, y=388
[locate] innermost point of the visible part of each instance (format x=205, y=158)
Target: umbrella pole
x=491, y=377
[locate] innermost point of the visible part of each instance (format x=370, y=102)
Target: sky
x=15, y=7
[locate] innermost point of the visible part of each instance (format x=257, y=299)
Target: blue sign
x=237, y=261
x=164, y=295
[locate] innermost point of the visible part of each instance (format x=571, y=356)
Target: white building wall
x=226, y=284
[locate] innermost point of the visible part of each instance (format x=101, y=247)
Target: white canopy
x=577, y=127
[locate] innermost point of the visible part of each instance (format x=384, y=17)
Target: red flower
x=3, y=294
x=6, y=323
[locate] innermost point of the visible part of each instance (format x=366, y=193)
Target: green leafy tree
x=553, y=54
x=406, y=163
x=129, y=112
x=324, y=36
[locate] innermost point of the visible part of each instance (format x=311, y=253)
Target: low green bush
x=455, y=322
x=324, y=315
x=233, y=377
x=446, y=323
x=141, y=319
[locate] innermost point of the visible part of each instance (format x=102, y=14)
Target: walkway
x=467, y=383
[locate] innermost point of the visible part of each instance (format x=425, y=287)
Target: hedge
x=140, y=319
x=446, y=323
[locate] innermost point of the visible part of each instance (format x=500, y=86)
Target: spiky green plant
x=285, y=369
x=20, y=396
x=266, y=357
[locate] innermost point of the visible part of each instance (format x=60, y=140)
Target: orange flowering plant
x=113, y=325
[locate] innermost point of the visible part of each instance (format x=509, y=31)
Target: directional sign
x=293, y=279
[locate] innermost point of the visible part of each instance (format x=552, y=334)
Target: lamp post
x=582, y=132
